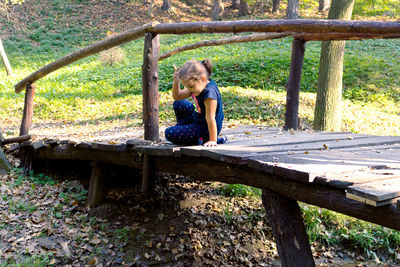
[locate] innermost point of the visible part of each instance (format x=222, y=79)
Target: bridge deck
x=364, y=169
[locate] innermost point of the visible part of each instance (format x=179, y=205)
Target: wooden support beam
x=150, y=86
x=28, y=109
x=149, y=174
x=293, y=85
x=284, y=216
x=18, y=139
x=96, y=186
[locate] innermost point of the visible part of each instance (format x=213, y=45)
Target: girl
x=203, y=125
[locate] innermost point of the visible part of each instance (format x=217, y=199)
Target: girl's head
x=194, y=75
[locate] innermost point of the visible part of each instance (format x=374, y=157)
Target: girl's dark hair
x=208, y=65
x=193, y=70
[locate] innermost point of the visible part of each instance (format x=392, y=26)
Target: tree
x=292, y=10
x=275, y=5
x=243, y=8
x=166, y=5
x=4, y=164
x=235, y=4
x=150, y=9
x=323, y=5
x=218, y=7
x=5, y=59
x=327, y=114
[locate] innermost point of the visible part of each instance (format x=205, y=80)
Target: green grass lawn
x=251, y=76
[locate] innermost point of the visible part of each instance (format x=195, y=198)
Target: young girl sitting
x=203, y=125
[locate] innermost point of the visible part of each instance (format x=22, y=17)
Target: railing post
x=28, y=109
x=293, y=85
x=150, y=86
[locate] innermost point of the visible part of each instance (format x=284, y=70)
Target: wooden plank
x=109, y=147
x=377, y=191
x=371, y=202
x=287, y=225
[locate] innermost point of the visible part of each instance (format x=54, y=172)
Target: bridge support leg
x=293, y=85
x=28, y=109
x=288, y=228
x=149, y=174
x=96, y=186
x=150, y=86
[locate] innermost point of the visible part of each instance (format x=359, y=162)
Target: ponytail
x=207, y=65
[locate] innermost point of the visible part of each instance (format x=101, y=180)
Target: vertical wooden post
x=5, y=59
x=293, y=86
x=149, y=174
x=150, y=86
x=288, y=228
x=28, y=109
x=96, y=186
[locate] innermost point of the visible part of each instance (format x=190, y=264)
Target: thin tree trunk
x=328, y=108
x=150, y=9
x=243, y=8
x=323, y=5
x=235, y=4
x=292, y=10
x=275, y=6
x=166, y=5
x=5, y=59
x=218, y=7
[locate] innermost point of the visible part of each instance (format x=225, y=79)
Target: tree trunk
x=5, y=59
x=166, y=5
x=327, y=115
x=150, y=9
x=275, y=6
x=235, y=4
x=243, y=8
x=5, y=166
x=218, y=7
x=323, y=5
x=292, y=10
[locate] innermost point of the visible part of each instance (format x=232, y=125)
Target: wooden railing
x=301, y=30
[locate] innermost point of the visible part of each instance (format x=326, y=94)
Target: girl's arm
x=211, y=108
x=177, y=93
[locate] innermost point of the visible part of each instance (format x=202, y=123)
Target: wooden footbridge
x=358, y=175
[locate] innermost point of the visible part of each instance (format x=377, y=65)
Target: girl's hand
x=176, y=70
x=210, y=144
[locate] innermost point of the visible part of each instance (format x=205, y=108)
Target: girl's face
x=196, y=86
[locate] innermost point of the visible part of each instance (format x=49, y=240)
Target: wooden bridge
x=358, y=175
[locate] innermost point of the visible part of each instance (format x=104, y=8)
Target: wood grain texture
x=287, y=225
x=28, y=109
x=150, y=87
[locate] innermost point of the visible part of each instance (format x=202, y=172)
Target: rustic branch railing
x=304, y=30
x=231, y=40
